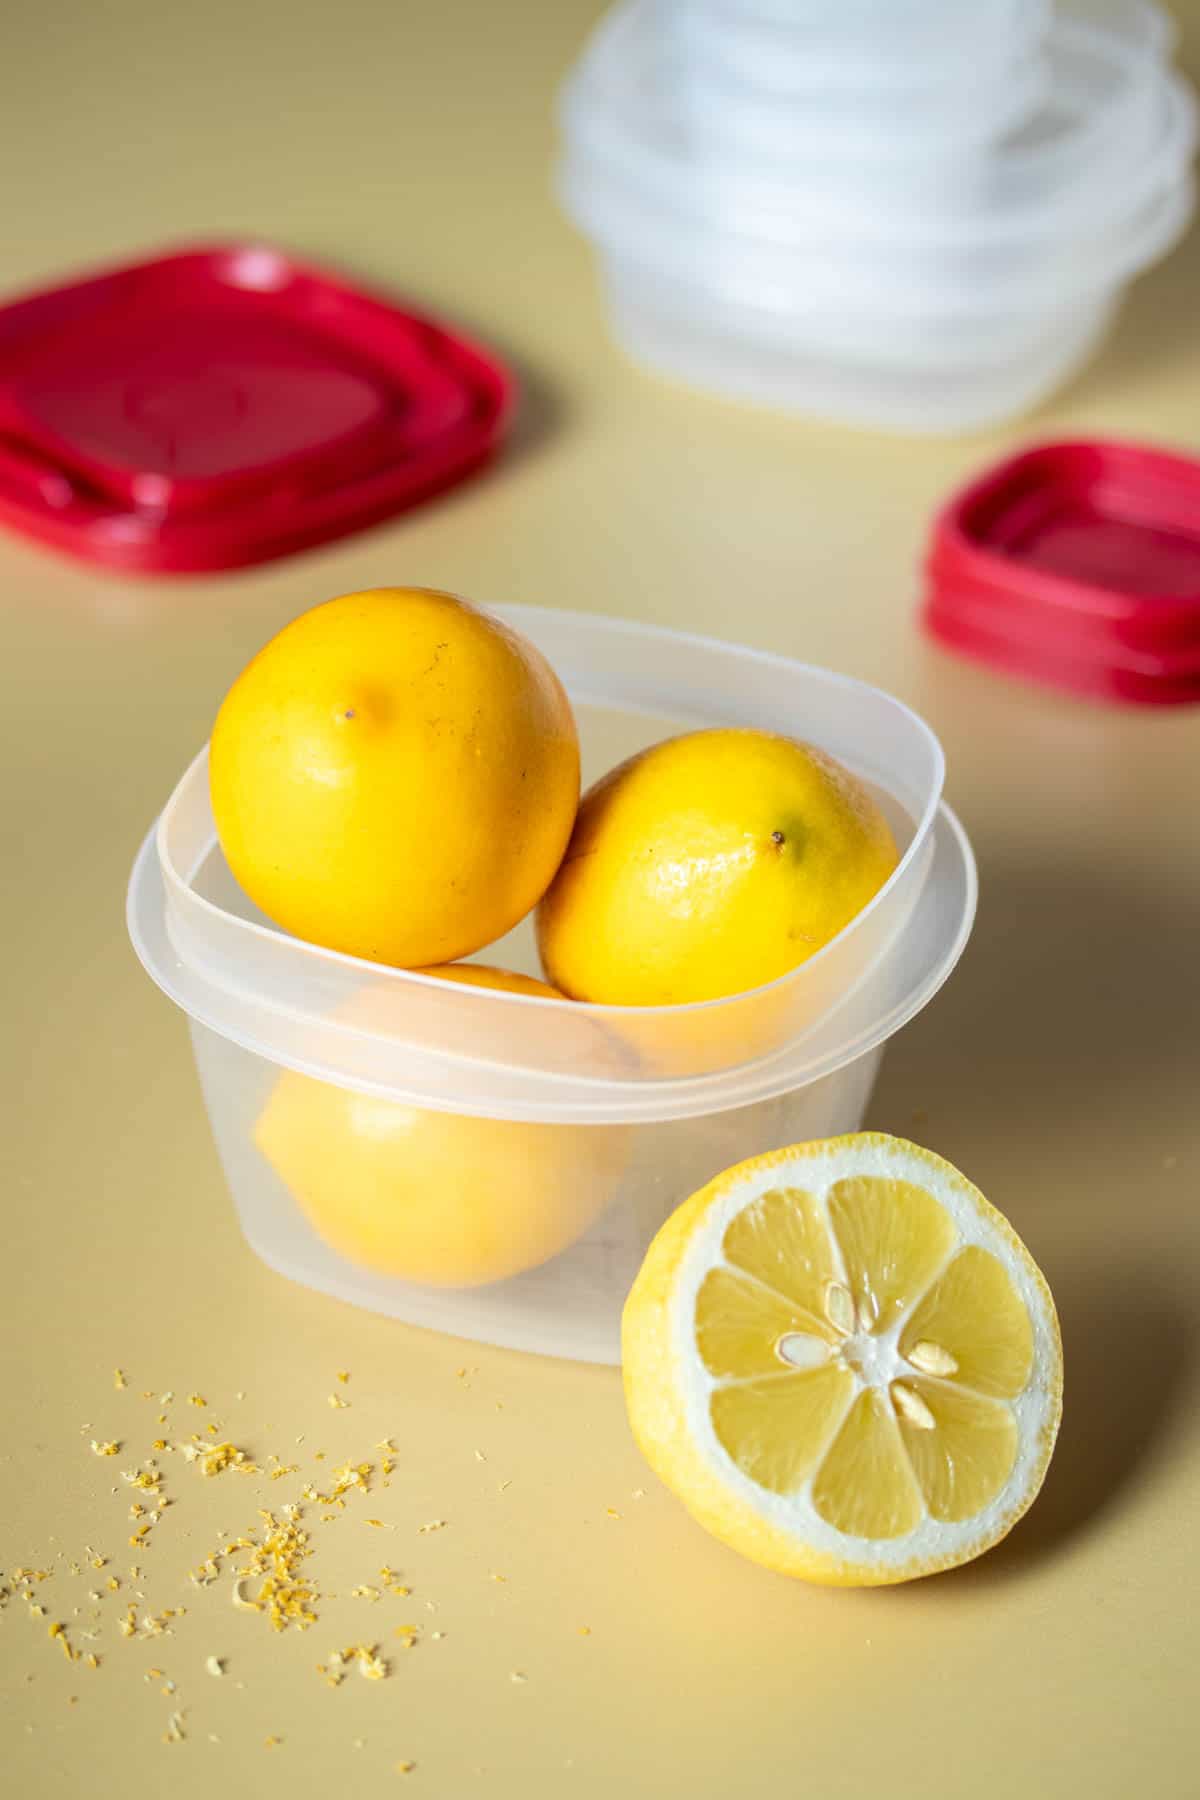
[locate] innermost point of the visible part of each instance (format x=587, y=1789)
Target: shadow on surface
x=1129, y=1346
x=1155, y=326
x=540, y=411
x=1079, y=992
x=1064, y=1040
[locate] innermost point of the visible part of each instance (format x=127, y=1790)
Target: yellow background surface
x=411, y=144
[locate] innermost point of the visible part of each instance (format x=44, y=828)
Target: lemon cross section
x=845, y=1362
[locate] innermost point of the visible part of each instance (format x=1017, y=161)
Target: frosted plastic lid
x=226, y=404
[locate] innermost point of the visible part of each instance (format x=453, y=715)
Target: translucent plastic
x=1101, y=112
x=986, y=276
x=570, y=1305
x=1084, y=100
x=487, y=1052
x=903, y=382
x=931, y=339
x=291, y=1039
x=1112, y=112
x=798, y=45
x=908, y=215
x=920, y=106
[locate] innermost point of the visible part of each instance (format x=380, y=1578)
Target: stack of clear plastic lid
x=895, y=212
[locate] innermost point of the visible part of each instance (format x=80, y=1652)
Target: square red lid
x=1076, y=564
x=226, y=404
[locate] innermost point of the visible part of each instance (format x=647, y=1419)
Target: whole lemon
x=708, y=865
x=487, y=975
x=435, y=1197
x=395, y=775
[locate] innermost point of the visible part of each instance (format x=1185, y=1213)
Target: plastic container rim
x=179, y=883
x=582, y=107
x=180, y=895
x=630, y=1103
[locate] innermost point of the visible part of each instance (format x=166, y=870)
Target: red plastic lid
x=1077, y=565
x=225, y=405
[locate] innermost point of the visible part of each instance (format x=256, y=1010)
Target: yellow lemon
x=487, y=975
x=708, y=865
x=435, y=1197
x=395, y=775
x=845, y=1362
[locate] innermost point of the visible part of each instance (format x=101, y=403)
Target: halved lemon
x=845, y=1362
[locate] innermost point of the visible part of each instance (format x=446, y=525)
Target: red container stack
x=1076, y=565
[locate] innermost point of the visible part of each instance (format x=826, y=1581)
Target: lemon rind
x=668, y=1389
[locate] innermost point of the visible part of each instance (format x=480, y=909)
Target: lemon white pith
x=845, y=1362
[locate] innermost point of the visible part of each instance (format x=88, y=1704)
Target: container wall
x=521, y=1234
x=364, y=1024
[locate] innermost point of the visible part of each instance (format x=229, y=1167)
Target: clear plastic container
x=929, y=341
x=902, y=382
x=1114, y=131
x=919, y=108
x=1049, y=114
x=553, y=1138
x=971, y=273
x=799, y=45
x=909, y=369
x=843, y=251
x=787, y=140
x=1088, y=103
